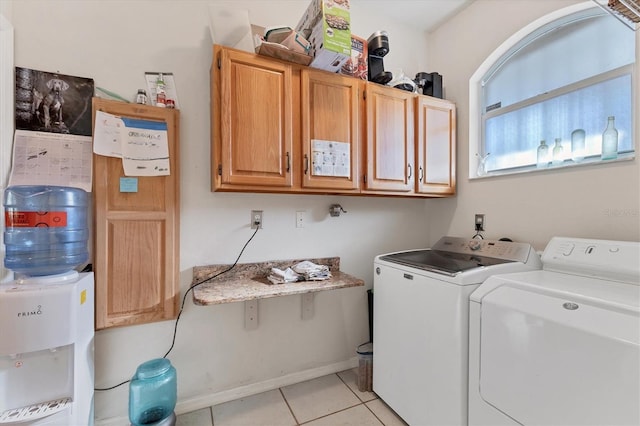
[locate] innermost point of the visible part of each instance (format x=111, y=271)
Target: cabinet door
x=330, y=130
x=436, y=146
x=390, y=139
x=137, y=234
x=255, y=121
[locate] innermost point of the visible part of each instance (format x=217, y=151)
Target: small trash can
x=365, y=367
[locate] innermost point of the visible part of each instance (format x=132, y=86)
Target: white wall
x=115, y=42
x=600, y=201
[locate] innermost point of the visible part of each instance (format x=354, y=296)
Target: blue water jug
x=152, y=393
x=46, y=229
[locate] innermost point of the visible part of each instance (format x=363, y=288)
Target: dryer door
x=546, y=360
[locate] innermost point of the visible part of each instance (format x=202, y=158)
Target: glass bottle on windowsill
x=577, y=145
x=558, y=156
x=610, y=140
x=543, y=155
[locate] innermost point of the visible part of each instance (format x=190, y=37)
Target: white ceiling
x=420, y=14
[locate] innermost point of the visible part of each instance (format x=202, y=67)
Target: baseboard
x=203, y=401
x=267, y=385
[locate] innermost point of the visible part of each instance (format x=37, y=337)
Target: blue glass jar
x=152, y=392
x=46, y=229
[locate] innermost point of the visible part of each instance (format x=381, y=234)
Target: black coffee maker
x=378, y=46
x=429, y=83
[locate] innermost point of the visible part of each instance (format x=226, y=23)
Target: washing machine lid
x=557, y=350
x=441, y=262
x=453, y=255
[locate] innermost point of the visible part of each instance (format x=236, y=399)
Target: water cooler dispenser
x=47, y=311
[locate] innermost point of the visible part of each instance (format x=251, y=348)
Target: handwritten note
x=142, y=144
x=107, y=135
x=145, y=151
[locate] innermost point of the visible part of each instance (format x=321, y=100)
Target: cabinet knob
x=421, y=173
x=410, y=171
x=306, y=164
x=288, y=162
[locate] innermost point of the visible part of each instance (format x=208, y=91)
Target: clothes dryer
x=559, y=346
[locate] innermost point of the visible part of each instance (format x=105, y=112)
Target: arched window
x=558, y=81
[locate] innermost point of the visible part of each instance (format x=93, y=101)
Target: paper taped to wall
x=143, y=145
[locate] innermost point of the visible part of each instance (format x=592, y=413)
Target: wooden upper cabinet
x=282, y=127
x=137, y=233
x=253, y=121
x=390, y=160
x=436, y=146
x=330, y=130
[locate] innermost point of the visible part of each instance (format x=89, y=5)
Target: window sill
x=567, y=164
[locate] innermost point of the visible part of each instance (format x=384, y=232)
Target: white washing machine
x=559, y=346
x=420, y=323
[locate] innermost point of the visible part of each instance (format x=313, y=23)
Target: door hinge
x=220, y=169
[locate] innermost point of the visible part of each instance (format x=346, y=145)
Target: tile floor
x=326, y=401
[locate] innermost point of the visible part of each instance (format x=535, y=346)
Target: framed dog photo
x=53, y=102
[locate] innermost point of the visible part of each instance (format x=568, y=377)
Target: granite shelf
x=248, y=281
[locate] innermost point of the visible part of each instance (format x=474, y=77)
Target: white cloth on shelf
x=303, y=271
x=311, y=271
x=278, y=276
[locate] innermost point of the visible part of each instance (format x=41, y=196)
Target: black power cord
x=184, y=299
x=478, y=234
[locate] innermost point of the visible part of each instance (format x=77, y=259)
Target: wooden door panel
x=136, y=268
x=330, y=113
x=256, y=124
x=149, y=197
x=436, y=146
x=390, y=139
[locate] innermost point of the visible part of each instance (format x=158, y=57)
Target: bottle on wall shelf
x=161, y=93
x=558, y=156
x=610, y=140
x=577, y=145
x=543, y=155
x=141, y=97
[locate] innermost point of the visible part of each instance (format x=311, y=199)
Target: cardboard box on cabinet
x=288, y=38
x=326, y=24
x=357, y=64
x=277, y=50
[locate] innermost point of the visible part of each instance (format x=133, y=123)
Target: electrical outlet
x=479, y=222
x=300, y=219
x=256, y=219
